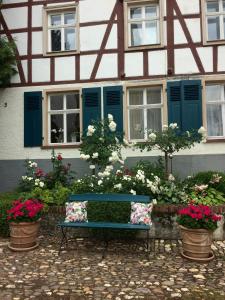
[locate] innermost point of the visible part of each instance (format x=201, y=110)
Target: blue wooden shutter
x=91, y=106
x=113, y=104
x=191, y=104
x=174, y=97
x=32, y=119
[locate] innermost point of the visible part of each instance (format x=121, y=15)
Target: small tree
x=171, y=140
x=101, y=144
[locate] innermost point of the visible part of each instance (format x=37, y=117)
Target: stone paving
x=125, y=273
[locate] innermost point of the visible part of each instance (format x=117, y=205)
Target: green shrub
x=6, y=200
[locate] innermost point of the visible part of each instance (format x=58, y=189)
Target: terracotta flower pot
x=197, y=243
x=23, y=235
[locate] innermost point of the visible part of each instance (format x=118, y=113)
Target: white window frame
x=59, y=10
x=128, y=4
x=143, y=106
x=63, y=112
x=220, y=102
x=221, y=15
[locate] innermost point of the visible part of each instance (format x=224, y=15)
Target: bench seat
x=105, y=225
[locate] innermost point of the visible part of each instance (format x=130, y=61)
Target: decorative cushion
x=141, y=213
x=76, y=212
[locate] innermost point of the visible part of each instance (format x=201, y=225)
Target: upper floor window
x=215, y=101
x=215, y=19
x=144, y=111
x=61, y=30
x=144, y=23
x=64, y=118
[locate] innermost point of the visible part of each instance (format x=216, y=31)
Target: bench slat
x=110, y=198
x=105, y=225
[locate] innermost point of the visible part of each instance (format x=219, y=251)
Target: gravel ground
x=80, y=273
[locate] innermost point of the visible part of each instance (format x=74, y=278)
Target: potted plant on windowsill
x=24, y=222
x=197, y=223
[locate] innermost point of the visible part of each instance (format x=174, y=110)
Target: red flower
x=59, y=157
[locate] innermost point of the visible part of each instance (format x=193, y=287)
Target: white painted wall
x=108, y=67
x=65, y=68
x=37, y=16
x=184, y=62
x=206, y=56
x=157, y=62
x=134, y=64
x=41, y=70
x=37, y=42
x=86, y=65
x=21, y=42
x=89, y=10
x=15, y=17
x=189, y=7
x=221, y=60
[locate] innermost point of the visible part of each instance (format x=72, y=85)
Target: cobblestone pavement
x=125, y=273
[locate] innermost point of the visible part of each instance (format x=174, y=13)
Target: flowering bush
x=198, y=217
x=171, y=140
x=34, y=177
x=25, y=210
x=60, y=174
x=101, y=146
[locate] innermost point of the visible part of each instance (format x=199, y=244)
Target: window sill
x=46, y=147
x=222, y=140
x=216, y=42
x=143, y=47
x=61, y=53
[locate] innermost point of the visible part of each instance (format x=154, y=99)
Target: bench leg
x=106, y=242
x=64, y=238
x=148, y=239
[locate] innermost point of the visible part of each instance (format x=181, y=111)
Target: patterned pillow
x=76, y=212
x=141, y=213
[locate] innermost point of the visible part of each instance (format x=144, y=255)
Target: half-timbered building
x=147, y=62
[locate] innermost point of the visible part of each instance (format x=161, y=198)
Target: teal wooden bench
x=105, y=225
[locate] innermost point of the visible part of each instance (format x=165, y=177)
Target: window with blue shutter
x=113, y=104
x=32, y=119
x=185, y=104
x=91, y=98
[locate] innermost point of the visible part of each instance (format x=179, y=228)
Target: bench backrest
x=109, y=198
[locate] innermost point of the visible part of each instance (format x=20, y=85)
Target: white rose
x=154, y=201
x=91, y=130
x=118, y=186
x=92, y=167
x=112, y=126
x=100, y=182
x=171, y=177
x=133, y=192
x=24, y=177
x=41, y=184
x=202, y=130
x=110, y=117
x=30, y=178
x=173, y=125
x=95, y=155
x=152, y=136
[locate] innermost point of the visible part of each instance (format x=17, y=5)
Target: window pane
x=223, y=28
x=55, y=20
x=150, y=11
x=151, y=33
x=73, y=128
x=69, y=38
x=223, y=5
x=56, y=40
x=56, y=102
x=212, y=6
x=213, y=28
x=136, y=97
x=154, y=95
x=56, y=128
x=135, y=13
x=154, y=119
x=136, y=124
x=136, y=34
x=72, y=101
x=213, y=92
x=214, y=120
x=69, y=18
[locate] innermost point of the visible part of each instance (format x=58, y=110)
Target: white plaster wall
x=108, y=67
x=157, y=62
x=221, y=60
x=12, y=1
x=37, y=42
x=134, y=64
x=37, y=16
x=206, y=56
x=21, y=42
x=188, y=7
x=179, y=37
x=86, y=65
x=91, y=37
x=41, y=70
x=90, y=13
x=112, y=41
x=15, y=17
x=194, y=27
x=16, y=77
x=184, y=62
x=65, y=68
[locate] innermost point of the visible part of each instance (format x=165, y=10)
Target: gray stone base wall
x=12, y=170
